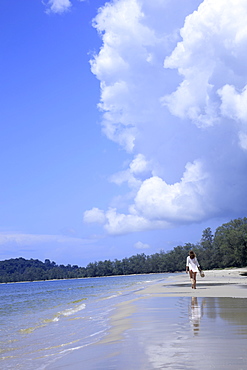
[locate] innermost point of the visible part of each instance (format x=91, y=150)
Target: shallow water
x=42, y=321
x=169, y=333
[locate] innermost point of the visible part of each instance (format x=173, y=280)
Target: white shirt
x=193, y=264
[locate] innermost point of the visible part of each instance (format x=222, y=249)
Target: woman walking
x=192, y=266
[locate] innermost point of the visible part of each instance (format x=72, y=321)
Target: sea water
x=44, y=320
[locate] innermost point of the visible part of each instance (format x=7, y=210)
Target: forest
x=226, y=248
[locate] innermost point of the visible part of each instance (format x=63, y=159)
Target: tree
x=117, y=268
x=91, y=269
x=208, y=259
x=230, y=241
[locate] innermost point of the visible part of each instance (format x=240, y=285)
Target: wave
x=69, y=311
x=117, y=294
x=66, y=313
x=31, y=329
x=79, y=300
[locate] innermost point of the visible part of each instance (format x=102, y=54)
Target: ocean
x=43, y=321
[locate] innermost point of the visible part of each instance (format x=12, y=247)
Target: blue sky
x=123, y=125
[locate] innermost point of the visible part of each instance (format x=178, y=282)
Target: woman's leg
x=192, y=279
x=195, y=280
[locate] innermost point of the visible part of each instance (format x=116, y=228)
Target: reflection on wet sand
x=166, y=332
x=234, y=311
x=217, y=333
x=195, y=314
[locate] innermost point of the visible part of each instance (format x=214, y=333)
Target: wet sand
x=171, y=326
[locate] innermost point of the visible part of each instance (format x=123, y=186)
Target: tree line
x=227, y=247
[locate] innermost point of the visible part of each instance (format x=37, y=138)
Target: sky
x=123, y=125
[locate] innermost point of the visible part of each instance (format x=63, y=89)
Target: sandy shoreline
x=216, y=283
x=168, y=323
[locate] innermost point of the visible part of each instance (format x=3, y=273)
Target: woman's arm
x=187, y=264
x=198, y=265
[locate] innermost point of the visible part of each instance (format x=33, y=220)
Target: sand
x=171, y=326
x=216, y=283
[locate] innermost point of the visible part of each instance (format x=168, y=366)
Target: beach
x=168, y=325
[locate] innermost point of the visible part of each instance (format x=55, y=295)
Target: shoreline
x=233, y=269
x=216, y=283
x=227, y=283
x=88, y=277
x=156, y=327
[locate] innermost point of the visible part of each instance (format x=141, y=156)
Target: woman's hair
x=192, y=254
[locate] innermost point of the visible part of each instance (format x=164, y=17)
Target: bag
x=202, y=273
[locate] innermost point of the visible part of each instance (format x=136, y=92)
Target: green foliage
x=226, y=248
x=230, y=243
x=208, y=255
x=20, y=269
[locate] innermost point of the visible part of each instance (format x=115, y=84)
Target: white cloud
x=183, y=201
x=127, y=43
x=140, y=245
x=58, y=6
x=158, y=205
x=176, y=105
x=132, y=175
x=234, y=106
x=94, y=215
x=119, y=223
x=139, y=164
x=210, y=54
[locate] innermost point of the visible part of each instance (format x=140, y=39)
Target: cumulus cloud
x=158, y=205
x=176, y=102
x=208, y=57
x=119, y=223
x=234, y=106
x=140, y=245
x=127, y=47
x=94, y=215
x=58, y=6
x=186, y=200
x=138, y=167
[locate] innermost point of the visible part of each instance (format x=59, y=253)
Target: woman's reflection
x=195, y=314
